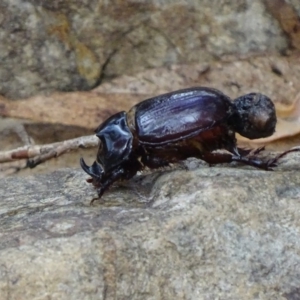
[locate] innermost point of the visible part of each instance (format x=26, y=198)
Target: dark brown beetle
x=172, y=127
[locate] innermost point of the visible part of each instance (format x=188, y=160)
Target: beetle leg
x=245, y=152
x=295, y=149
x=258, y=150
x=154, y=162
x=217, y=158
x=279, y=156
x=256, y=162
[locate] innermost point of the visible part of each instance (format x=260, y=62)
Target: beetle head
x=255, y=116
x=115, y=141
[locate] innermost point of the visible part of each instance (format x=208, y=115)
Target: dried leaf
x=83, y=109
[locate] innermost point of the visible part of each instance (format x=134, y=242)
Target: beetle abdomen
x=174, y=116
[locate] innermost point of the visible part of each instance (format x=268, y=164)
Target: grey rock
x=75, y=45
x=188, y=232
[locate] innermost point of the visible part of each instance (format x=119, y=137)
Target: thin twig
x=40, y=153
x=23, y=135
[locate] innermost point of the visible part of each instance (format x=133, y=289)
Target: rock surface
x=74, y=45
x=227, y=232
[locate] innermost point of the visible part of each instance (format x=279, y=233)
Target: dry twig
x=37, y=154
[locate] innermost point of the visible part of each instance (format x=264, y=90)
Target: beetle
x=172, y=127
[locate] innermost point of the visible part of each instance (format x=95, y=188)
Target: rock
x=75, y=45
x=226, y=232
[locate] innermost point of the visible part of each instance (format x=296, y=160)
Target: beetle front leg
x=116, y=175
x=127, y=171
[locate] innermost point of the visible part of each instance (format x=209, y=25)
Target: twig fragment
x=37, y=154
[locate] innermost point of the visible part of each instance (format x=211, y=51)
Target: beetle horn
x=95, y=170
